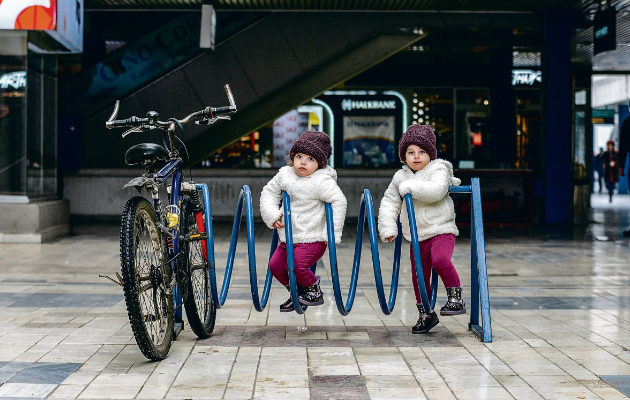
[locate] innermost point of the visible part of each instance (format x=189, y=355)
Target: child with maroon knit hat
x=310, y=183
x=427, y=179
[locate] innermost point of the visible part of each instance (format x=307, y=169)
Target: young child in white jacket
x=310, y=183
x=427, y=179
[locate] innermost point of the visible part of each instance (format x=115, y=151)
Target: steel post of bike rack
x=415, y=245
x=332, y=254
x=244, y=198
x=480, y=297
x=288, y=232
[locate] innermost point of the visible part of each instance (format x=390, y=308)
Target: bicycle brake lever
x=128, y=131
x=210, y=121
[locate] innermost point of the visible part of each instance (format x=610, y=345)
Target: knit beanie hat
x=315, y=144
x=420, y=135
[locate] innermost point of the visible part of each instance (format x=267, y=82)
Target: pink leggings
x=304, y=255
x=435, y=252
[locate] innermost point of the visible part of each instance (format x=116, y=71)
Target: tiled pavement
x=560, y=308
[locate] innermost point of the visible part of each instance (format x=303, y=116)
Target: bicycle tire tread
x=134, y=312
x=201, y=329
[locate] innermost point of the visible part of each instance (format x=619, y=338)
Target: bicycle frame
x=172, y=168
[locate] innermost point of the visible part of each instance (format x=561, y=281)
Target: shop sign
x=69, y=30
x=13, y=80
x=603, y=117
x=605, y=31
x=349, y=104
x=526, y=77
x=28, y=14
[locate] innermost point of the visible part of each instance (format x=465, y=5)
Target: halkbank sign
x=349, y=104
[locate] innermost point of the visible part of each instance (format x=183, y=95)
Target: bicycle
x=163, y=248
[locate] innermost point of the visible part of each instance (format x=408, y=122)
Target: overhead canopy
x=362, y=5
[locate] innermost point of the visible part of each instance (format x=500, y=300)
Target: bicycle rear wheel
x=200, y=309
x=146, y=279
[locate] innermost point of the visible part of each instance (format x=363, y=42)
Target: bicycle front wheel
x=146, y=278
x=200, y=309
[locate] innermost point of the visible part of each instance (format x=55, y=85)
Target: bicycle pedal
x=195, y=236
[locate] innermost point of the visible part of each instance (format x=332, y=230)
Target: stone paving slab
x=320, y=336
x=560, y=307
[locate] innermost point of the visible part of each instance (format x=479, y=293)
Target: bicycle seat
x=145, y=153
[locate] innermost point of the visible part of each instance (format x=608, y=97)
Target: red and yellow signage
x=28, y=14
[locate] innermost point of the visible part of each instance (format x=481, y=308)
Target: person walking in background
x=611, y=168
x=598, y=166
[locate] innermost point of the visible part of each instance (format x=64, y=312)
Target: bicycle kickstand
x=119, y=282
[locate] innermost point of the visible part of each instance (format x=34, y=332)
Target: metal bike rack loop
x=480, y=302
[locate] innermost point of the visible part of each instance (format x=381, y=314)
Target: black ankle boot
x=426, y=322
x=312, y=295
x=455, y=305
x=287, y=306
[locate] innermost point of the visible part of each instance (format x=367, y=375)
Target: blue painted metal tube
x=334, y=272
x=480, y=256
x=474, y=271
x=460, y=189
x=288, y=231
x=386, y=306
x=259, y=303
x=219, y=300
x=426, y=301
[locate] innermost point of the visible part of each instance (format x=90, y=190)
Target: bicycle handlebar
x=207, y=116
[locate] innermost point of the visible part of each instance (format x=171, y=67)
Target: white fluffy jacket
x=433, y=207
x=308, y=211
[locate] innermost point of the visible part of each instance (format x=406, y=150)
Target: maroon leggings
x=304, y=255
x=435, y=252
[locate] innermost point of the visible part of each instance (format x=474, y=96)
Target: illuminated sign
x=348, y=104
x=526, y=77
x=28, y=14
x=605, y=31
x=13, y=80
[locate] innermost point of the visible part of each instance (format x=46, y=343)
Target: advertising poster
x=368, y=140
x=69, y=30
x=286, y=131
x=61, y=19
x=28, y=14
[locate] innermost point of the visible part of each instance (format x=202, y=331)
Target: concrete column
x=557, y=109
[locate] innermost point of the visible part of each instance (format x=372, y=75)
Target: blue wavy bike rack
x=479, y=284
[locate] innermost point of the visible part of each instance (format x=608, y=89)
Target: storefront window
x=528, y=127
x=12, y=125
x=370, y=122
x=435, y=107
x=472, y=145
x=269, y=146
x=41, y=125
